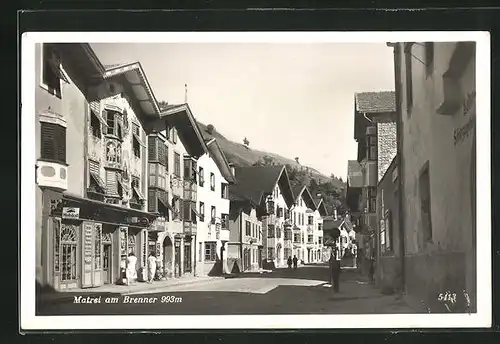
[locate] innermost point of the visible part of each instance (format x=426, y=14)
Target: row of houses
x=118, y=175
x=412, y=186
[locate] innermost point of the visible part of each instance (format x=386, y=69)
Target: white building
x=304, y=228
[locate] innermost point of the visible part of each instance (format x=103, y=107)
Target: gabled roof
x=181, y=117
x=321, y=207
x=375, y=102
x=330, y=224
x=354, y=174
x=253, y=182
x=220, y=160
x=303, y=191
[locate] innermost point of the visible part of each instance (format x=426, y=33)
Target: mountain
x=241, y=155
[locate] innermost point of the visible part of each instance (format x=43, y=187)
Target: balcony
x=189, y=190
x=52, y=175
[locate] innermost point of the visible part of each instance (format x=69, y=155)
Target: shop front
x=91, y=240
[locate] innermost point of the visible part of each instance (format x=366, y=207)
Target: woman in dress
x=131, y=272
x=151, y=267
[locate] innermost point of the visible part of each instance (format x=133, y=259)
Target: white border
x=483, y=318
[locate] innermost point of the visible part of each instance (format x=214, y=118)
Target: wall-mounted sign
x=87, y=247
x=144, y=221
x=71, y=213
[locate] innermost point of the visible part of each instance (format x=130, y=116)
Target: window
x=296, y=237
x=260, y=232
x=176, y=204
x=279, y=212
x=425, y=203
x=409, y=81
x=51, y=70
x=429, y=58
x=136, y=140
x=371, y=200
x=310, y=239
x=270, y=253
x=68, y=252
x=288, y=234
x=212, y=215
x=157, y=176
x=190, y=169
x=294, y=218
x=320, y=240
x=278, y=232
x=224, y=191
x=310, y=220
x=320, y=226
x=270, y=231
x=174, y=135
x=248, y=228
x=113, y=122
x=177, y=164
x=210, y=251
x=168, y=130
x=212, y=181
x=202, y=211
x=190, y=213
x=225, y=221
x=111, y=183
x=53, y=142
x=372, y=147
x=95, y=124
x=201, y=178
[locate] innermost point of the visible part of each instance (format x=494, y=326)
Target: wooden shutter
x=152, y=149
x=94, y=167
x=94, y=107
x=152, y=201
x=47, y=142
x=111, y=183
x=60, y=143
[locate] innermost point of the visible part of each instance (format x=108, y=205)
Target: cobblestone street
x=283, y=291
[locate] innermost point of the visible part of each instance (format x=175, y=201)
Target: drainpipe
x=399, y=160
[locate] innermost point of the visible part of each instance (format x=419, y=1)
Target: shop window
x=57, y=242
x=425, y=203
x=210, y=251
x=97, y=247
x=177, y=164
x=52, y=72
x=201, y=179
x=248, y=228
x=212, y=181
x=69, y=252
x=53, y=142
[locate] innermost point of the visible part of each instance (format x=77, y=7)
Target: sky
x=293, y=99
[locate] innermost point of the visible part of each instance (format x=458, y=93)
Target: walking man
x=295, y=261
x=335, y=268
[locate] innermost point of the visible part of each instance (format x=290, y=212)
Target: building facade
x=389, y=258
x=245, y=249
x=214, y=177
x=375, y=133
x=436, y=91
x=91, y=210
x=319, y=214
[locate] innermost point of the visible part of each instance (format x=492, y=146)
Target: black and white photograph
x=287, y=179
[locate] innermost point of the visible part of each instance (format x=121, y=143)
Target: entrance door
x=187, y=257
x=106, y=264
x=167, y=256
x=177, y=258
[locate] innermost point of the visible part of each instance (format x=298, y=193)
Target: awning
x=196, y=213
x=97, y=178
x=138, y=139
x=165, y=204
x=122, y=185
x=138, y=193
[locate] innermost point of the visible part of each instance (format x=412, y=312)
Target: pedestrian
x=295, y=261
x=131, y=272
x=335, y=269
x=372, y=269
x=289, y=262
x=151, y=267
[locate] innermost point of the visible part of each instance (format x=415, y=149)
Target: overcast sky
x=292, y=99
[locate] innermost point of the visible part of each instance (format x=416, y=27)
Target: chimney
x=233, y=171
x=335, y=214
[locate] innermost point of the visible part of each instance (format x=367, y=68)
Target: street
x=283, y=291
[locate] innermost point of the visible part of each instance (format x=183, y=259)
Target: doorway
x=187, y=256
x=167, y=256
x=106, y=264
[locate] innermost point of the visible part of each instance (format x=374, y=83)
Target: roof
x=298, y=191
x=375, y=102
x=320, y=206
x=220, y=160
x=354, y=174
x=329, y=224
x=253, y=182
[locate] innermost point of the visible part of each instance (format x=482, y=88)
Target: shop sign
x=70, y=213
x=159, y=225
x=87, y=247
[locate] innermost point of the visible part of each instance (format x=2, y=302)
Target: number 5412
x=448, y=296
